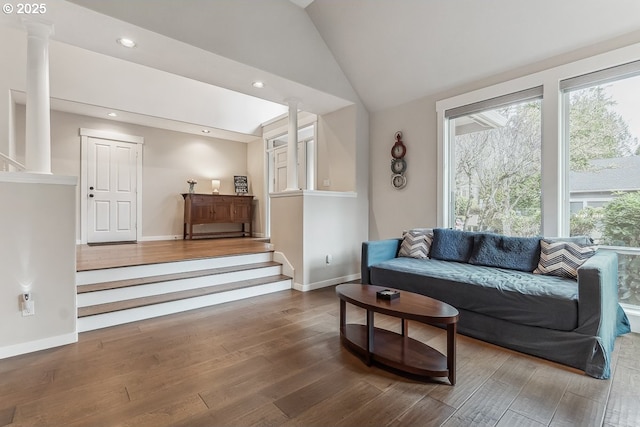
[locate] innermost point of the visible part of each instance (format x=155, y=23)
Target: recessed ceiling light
x=126, y=42
x=112, y=115
x=206, y=131
x=258, y=84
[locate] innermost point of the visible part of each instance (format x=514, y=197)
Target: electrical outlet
x=27, y=305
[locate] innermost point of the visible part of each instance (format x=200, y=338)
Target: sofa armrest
x=377, y=251
x=598, y=295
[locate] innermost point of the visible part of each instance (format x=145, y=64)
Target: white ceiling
x=395, y=51
x=391, y=51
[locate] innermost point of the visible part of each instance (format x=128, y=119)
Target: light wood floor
x=277, y=360
x=120, y=255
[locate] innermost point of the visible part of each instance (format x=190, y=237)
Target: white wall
x=37, y=254
x=168, y=160
x=392, y=210
x=330, y=228
x=309, y=225
x=337, y=150
x=287, y=230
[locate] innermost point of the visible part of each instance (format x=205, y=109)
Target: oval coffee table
x=394, y=350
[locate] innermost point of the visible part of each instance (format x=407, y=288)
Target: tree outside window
x=604, y=178
x=497, y=176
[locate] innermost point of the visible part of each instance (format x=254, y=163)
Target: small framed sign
x=241, y=184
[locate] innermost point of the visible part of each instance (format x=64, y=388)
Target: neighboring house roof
x=615, y=174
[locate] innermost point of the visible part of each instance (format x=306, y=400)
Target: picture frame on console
x=241, y=185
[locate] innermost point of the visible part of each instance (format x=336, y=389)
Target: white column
x=292, y=147
x=38, y=132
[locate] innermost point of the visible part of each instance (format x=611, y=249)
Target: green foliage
x=621, y=220
x=597, y=131
x=586, y=221
x=621, y=227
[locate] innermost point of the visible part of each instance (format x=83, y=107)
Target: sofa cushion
x=563, y=258
x=416, y=243
x=515, y=253
x=452, y=245
x=515, y=296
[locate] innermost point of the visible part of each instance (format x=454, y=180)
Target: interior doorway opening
x=276, y=148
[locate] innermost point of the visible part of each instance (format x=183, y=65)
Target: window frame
x=555, y=191
x=450, y=115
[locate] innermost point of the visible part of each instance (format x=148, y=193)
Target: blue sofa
x=569, y=321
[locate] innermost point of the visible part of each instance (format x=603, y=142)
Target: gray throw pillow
x=452, y=245
x=514, y=253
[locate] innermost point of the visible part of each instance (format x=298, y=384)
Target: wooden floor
x=121, y=255
x=277, y=360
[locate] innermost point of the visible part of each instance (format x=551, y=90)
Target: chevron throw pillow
x=416, y=243
x=562, y=258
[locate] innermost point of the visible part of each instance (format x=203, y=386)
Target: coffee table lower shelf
x=395, y=351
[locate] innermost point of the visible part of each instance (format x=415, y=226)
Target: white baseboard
x=37, y=345
x=156, y=238
x=325, y=283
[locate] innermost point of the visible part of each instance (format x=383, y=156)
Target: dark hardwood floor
x=277, y=360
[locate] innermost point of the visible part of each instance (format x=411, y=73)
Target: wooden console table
x=216, y=209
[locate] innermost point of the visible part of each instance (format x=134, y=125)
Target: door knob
x=90, y=195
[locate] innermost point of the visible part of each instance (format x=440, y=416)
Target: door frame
x=85, y=134
x=304, y=120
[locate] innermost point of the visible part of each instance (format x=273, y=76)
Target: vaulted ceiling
x=331, y=53
x=394, y=51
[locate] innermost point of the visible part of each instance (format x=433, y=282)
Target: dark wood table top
x=410, y=305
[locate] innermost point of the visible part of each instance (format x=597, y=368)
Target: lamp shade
x=215, y=186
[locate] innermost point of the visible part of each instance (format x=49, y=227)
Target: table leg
x=369, y=336
x=343, y=316
x=451, y=352
x=405, y=327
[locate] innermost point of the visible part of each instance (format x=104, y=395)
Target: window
x=585, y=178
x=495, y=152
x=603, y=130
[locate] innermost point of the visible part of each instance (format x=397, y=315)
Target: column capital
x=38, y=28
x=293, y=101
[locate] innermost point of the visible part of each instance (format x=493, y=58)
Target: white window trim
x=554, y=189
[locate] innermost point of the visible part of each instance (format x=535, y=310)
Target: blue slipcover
x=582, y=337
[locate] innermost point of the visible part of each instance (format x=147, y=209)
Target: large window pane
x=604, y=177
x=496, y=181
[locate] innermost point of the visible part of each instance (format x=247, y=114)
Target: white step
x=119, y=317
x=124, y=273
x=120, y=295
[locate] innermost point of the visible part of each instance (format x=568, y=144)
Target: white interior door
x=111, y=190
x=280, y=168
